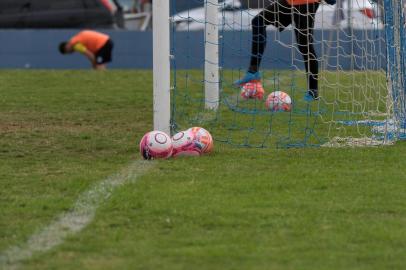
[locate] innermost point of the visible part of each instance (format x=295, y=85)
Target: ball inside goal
x=278, y=101
x=252, y=90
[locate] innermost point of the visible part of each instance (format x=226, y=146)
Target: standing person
x=96, y=46
x=282, y=13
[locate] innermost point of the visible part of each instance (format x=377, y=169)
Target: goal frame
x=162, y=56
x=162, y=62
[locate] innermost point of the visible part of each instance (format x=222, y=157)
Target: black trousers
x=281, y=14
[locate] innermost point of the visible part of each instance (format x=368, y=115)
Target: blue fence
x=39, y=49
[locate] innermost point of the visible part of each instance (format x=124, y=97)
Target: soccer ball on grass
x=156, y=144
x=203, y=139
x=252, y=90
x=184, y=144
x=192, y=142
x=278, y=101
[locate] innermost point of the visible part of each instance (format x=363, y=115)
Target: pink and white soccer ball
x=203, y=139
x=252, y=90
x=278, y=101
x=156, y=144
x=185, y=144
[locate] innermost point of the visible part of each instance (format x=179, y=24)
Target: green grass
x=62, y=131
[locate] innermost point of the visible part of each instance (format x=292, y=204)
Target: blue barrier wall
x=39, y=49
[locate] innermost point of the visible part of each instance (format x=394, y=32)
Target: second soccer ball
x=184, y=144
x=278, y=101
x=192, y=142
x=252, y=90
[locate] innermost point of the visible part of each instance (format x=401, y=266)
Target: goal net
x=360, y=55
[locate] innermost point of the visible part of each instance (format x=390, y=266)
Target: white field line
x=75, y=220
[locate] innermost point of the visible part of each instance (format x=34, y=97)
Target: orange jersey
x=92, y=40
x=301, y=2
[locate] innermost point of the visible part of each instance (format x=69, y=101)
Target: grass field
x=62, y=132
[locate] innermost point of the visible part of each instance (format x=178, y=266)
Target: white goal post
x=161, y=61
x=211, y=47
x=161, y=65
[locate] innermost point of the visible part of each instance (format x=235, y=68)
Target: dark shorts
x=104, y=55
x=281, y=15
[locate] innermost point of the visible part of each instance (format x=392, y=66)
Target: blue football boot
x=311, y=95
x=248, y=77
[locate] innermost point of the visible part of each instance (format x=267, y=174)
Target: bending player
x=282, y=13
x=97, y=47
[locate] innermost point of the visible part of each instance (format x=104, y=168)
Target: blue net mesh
x=396, y=53
x=361, y=76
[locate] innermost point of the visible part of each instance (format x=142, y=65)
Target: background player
x=97, y=47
